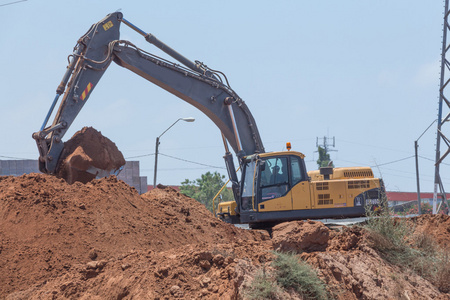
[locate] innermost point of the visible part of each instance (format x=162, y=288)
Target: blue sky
x=364, y=72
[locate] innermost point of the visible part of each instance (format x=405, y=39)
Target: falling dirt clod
x=87, y=155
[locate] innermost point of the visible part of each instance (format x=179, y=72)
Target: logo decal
x=108, y=25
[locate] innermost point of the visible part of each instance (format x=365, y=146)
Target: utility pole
x=419, y=201
x=445, y=65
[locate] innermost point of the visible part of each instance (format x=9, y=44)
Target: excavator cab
x=267, y=185
x=268, y=180
x=275, y=187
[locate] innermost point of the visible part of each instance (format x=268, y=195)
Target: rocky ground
x=102, y=240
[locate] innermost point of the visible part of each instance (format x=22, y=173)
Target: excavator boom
x=195, y=84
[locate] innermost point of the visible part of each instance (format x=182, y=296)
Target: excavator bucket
x=89, y=155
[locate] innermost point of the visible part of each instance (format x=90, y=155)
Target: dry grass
x=395, y=240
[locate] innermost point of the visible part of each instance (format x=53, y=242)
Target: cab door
x=301, y=191
x=274, y=193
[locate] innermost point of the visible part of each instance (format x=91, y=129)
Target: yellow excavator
x=274, y=186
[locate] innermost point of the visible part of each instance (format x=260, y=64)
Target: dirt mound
x=48, y=227
x=87, y=155
x=349, y=266
x=438, y=226
x=189, y=272
x=102, y=240
x=298, y=236
x=362, y=274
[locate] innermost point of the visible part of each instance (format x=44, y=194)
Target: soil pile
x=87, y=155
x=299, y=236
x=51, y=231
x=353, y=270
x=102, y=240
x=437, y=226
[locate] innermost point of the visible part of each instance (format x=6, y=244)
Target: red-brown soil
x=437, y=226
x=102, y=240
x=88, y=154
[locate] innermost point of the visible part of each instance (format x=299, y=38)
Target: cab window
x=296, y=170
x=248, y=185
x=274, y=181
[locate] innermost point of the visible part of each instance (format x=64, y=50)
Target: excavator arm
x=195, y=83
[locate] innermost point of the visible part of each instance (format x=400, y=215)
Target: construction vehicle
x=264, y=194
x=269, y=197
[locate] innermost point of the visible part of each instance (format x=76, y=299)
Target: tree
x=205, y=188
x=324, y=158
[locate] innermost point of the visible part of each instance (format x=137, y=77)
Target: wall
x=129, y=174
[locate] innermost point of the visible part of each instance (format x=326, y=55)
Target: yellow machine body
x=325, y=193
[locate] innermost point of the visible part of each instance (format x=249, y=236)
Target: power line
x=176, y=169
x=373, y=146
x=177, y=158
x=19, y=158
x=392, y=162
x=433, y=160
x=192, y=162
x=138, y=156
x=388, y=163
x=12, y=2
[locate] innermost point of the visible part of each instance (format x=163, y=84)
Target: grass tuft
x=288, y=274
x=395, y=240
x=263, y=287
x=298, y=275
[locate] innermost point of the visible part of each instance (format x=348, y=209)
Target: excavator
x=273, y=186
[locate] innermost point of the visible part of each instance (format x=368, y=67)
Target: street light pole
x=157, y=146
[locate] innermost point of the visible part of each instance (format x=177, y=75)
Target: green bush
x=298, y=275
x=263, y=287
x=289, y=273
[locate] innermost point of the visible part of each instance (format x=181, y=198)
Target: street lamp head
x=188, y=119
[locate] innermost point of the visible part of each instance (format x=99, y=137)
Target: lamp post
x=157, y=145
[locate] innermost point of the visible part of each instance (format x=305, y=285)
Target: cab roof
x=280, y=153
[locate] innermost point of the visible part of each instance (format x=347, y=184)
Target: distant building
x=397, y=198
x=130, y=173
